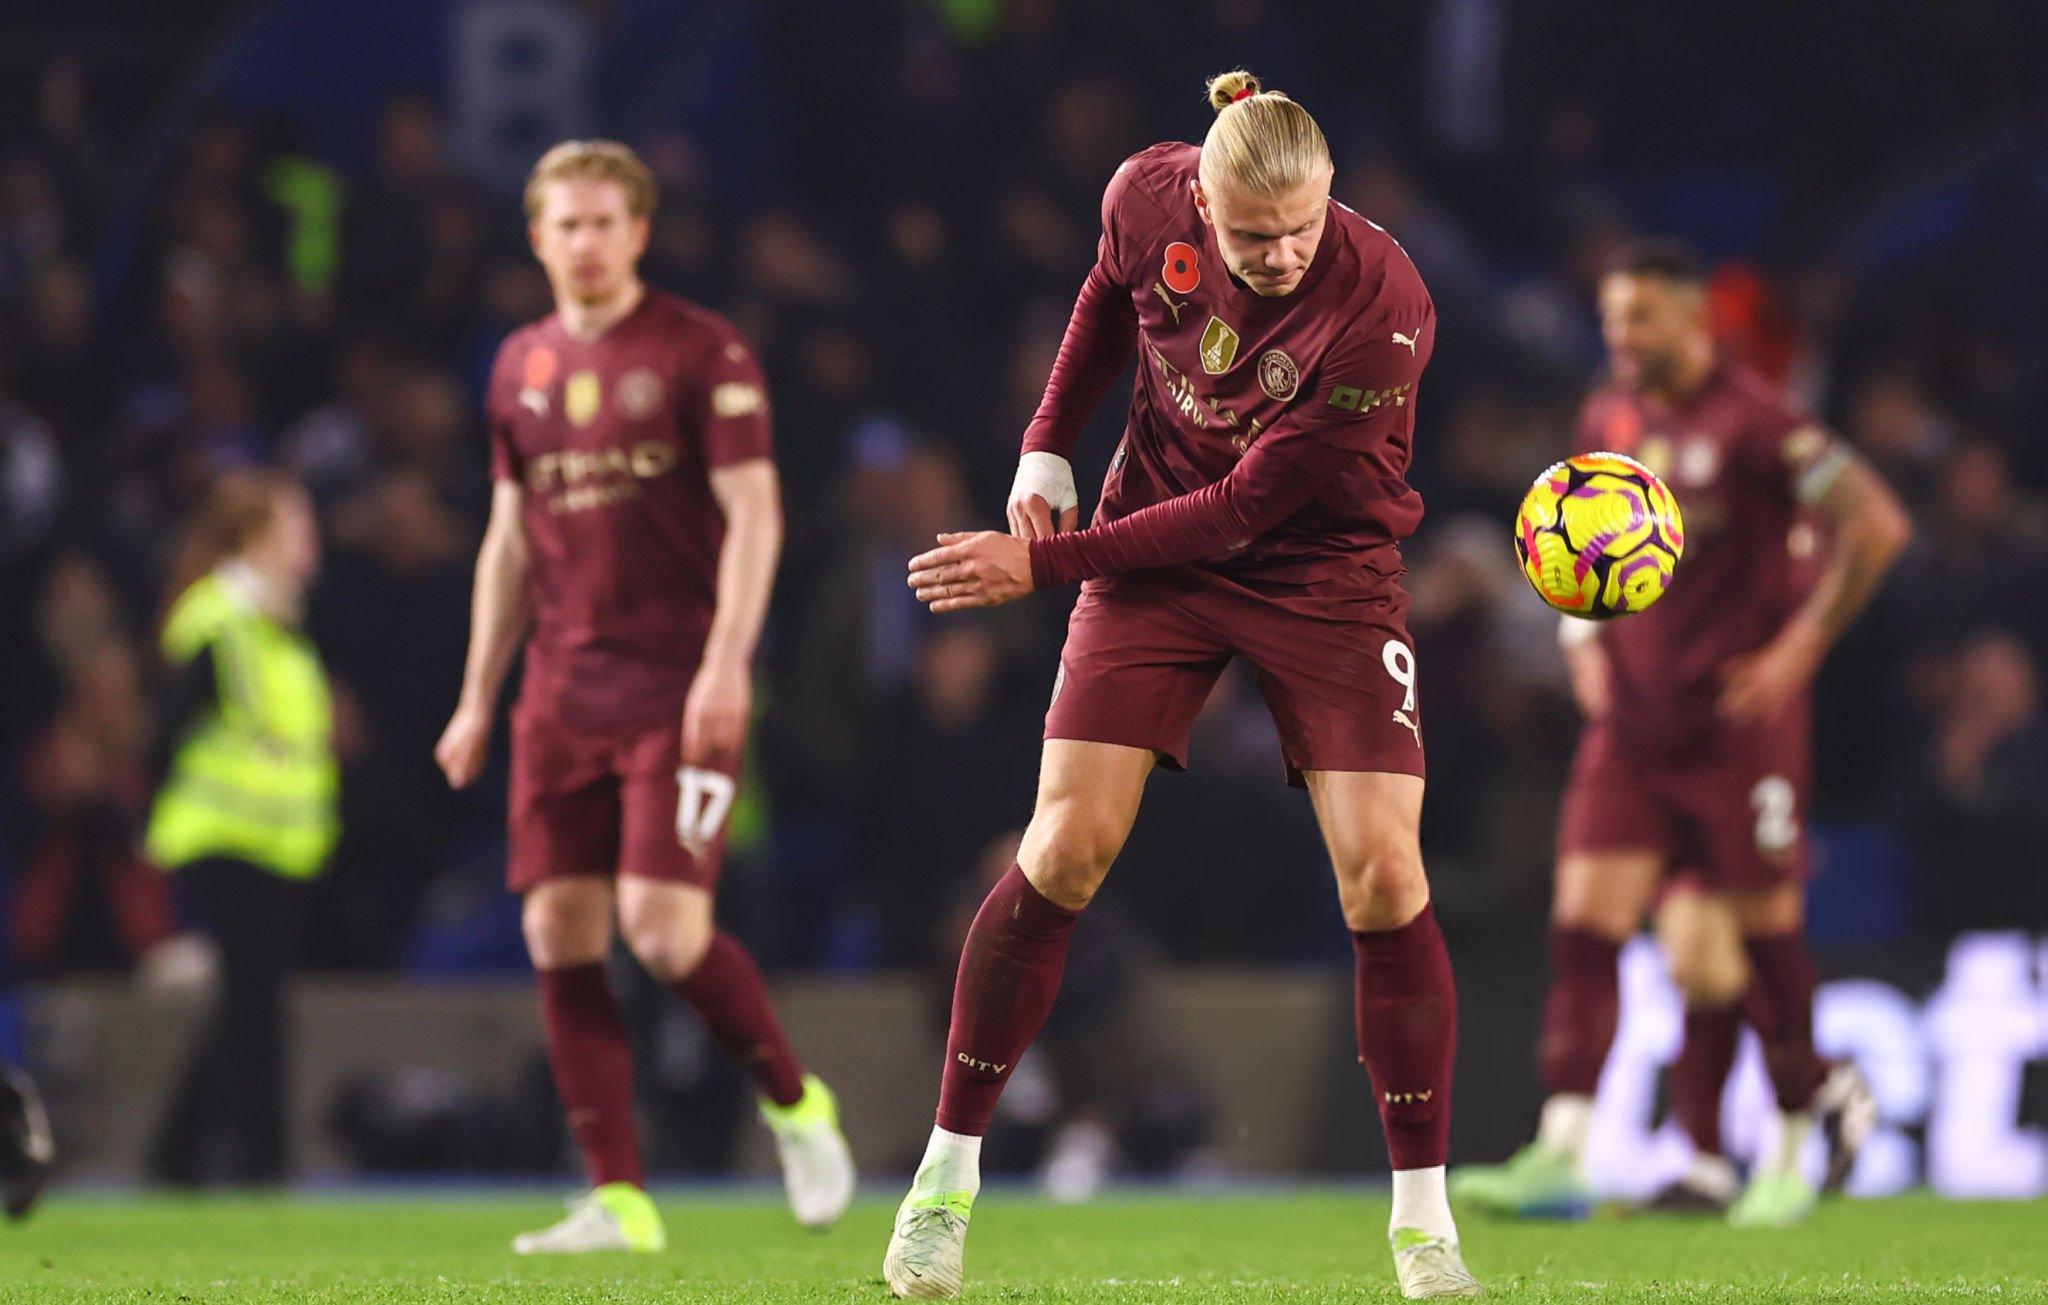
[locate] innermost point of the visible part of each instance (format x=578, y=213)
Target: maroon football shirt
x=1328, y=370
x=613, y=440
x=1736, y=455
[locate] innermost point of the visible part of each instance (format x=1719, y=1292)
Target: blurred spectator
x=1984, y=773
x=183, y=297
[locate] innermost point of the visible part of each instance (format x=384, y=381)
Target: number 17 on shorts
x=703, y=799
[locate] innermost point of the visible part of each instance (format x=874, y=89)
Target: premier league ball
x=1599, y=536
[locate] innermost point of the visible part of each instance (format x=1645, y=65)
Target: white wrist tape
x=1049, y=476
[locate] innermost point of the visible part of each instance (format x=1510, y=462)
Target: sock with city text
x=1407, y=1015
x=1009, y=975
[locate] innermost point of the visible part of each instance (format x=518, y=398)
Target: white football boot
x=1430, y=1268
x=615, y=1217
x=817, y=1165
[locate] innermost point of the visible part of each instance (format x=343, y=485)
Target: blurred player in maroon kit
x=1254, y=508
x=635, y=521
x=1697, y=754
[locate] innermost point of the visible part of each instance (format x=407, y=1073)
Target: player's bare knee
x=669, y=943
x=1603, y=895
x=1381, y=887
x=1066, y=854
x=565, y=929
x=1706, y=978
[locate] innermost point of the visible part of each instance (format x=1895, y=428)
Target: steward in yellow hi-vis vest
x=245, y=812
x=255, y=777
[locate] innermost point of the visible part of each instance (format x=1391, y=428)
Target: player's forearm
x=1100, y=336
x=1871, y=529
x=746, y=578
x=498, y=612
x=1274, y=481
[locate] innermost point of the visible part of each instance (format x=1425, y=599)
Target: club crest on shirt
x=1278, y=376
x=638, y=394
x=582, y=396
x=1219, y=347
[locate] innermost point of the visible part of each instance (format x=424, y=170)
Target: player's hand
x=1031, y=517
x=715, y=716
x=464, y=745
x=975, y=569
x=1042, y=497
x=1586, y=664
x=1759, y=686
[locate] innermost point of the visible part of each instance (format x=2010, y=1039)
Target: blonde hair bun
x=1226, y=89
x=1261, y=141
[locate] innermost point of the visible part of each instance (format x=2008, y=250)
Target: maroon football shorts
x=1730, y=810
x=1333, y=661
x=599, y=804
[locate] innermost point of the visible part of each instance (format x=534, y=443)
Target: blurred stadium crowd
x=246, y=299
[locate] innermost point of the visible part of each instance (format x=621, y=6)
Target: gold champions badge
x=1219, y=347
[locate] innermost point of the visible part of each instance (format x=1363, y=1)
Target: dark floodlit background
x=289, y=233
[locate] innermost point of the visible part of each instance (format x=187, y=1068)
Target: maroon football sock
x=1700, y=1073
x=593, y=1067
x=1407, y=1015
x=1579, y=1015
x=1785, y=979
x=728, y=991
x=1009, y=974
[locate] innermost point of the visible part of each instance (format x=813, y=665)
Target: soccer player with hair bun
x=634, y=529
x=1254, y=509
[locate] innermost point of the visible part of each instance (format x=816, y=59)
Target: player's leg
x=1614, y=839
x=568, y=927
x=561, y=851
x=1773, y=927
x=1351, y=730
x=669, y=928
x=1702, y=944
x=1749, y=805
x=1134, y=672
x=1406, y=1007
x=666, y=906
x=1010, y=967
x=1600, y=899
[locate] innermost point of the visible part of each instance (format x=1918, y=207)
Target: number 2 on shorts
x=1777, y=823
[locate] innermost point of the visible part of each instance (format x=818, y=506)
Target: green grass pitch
x=1320, y=1246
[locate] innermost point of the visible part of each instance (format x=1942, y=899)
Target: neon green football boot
x=1774, y=1200
x=614, y=1217
x=1537, y=1182
x=928, y=1249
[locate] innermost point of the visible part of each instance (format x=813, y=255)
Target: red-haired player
x=635, y=518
